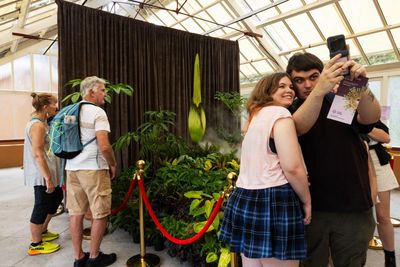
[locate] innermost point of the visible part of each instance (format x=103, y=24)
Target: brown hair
x=40, y=100
x=261, y=96
x=304, y=62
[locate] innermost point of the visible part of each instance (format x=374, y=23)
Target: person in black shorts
x=41, y=170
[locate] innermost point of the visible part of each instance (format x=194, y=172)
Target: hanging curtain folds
x=157, y=61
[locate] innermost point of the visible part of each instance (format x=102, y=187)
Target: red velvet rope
x=162, y=229
x=127, y=196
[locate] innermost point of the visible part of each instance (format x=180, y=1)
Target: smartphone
x=337, y=45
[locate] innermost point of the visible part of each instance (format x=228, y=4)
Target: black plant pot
x=159, y=243
x=136, y=237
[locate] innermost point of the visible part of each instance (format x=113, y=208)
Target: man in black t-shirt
x=336, y=160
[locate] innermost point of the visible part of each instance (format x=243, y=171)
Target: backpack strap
x=90, y=141
x=79, y=112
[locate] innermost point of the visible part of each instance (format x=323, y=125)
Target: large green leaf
x=208, y=205
x=198, y=226
x=195, y=203
x=211, y=257
x=193, y=194
x=224, y=258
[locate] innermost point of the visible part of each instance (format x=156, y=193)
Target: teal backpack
x=65, y=132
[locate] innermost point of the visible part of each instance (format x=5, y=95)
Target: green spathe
x=197, y=115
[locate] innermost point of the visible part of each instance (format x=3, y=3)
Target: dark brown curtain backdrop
x=156, y=61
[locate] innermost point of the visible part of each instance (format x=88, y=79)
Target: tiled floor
x=15, y=209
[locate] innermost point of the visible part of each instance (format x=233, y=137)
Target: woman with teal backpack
x=41, y=170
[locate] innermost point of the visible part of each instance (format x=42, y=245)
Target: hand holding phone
x=337, y=45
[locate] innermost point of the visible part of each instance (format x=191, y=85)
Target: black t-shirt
x=337, y=163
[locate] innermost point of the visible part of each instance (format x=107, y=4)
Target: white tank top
x=32, y=174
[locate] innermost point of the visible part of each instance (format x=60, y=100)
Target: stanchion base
x=375, y=243
x=60, y=210
x=86, y=233
x=395, y=222
x=150, y=260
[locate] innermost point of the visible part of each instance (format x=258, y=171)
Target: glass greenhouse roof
x=268, y=32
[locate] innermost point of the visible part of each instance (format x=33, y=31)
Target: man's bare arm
x=106, y=150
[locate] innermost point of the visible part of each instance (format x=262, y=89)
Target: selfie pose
x=263, y=219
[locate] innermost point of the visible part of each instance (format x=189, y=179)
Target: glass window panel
x=41, y=72
x=354, y=51
x=303, y=29
x=328, y=14
x=375, y=87
x=54, y=74
x=243, y=77
x=204, y=24
x=37, y=18
x=191, y=6
x=154, y=19
x=320, y=51
x=218, y=33
x=6, y=77
x=206, y=2
x=22, y=73
x=374, y=43
x=248, y=70
x=7, y=2
x=192, y=26
x=262, y=67
x=7, y=9
x=281, y=36
x=267, y=14
x=274, y=45
x=390, y=10
x=248, y=49
x=7, y=25
x=253, y=4
x=172, y=5
x=179, y=27
x=396, y=36
x=357, y=11
x=166, y=17
x=46, y=9
x=219, y=12
x=394, y=100
x=242, y=58
x=289, y=5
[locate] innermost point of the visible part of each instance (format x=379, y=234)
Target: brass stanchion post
x=142, y=259
x=232, y=178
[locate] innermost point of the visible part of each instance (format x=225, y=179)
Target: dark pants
x=344, y=236
x=45, y=203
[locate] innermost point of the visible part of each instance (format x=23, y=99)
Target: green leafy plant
x=173, y=168
x=235, y=104
x=232, y=100
x=110, y=90
x=156, y=142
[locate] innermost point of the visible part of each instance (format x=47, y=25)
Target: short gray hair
x=90, y=83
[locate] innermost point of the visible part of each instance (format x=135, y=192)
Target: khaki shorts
x=89, y=188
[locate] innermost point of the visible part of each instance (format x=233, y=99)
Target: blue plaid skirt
x=265, y=223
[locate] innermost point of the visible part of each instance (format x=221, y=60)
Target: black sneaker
x=82, y=262
x=390, y=261
x=102, y=260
